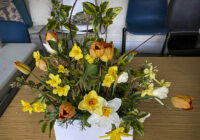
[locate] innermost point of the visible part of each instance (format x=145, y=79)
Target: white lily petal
x=104, y=122
x=94, y=118
x=114, y=117
x=49, y=49
x=115, y=104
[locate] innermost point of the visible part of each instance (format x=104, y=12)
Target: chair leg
x=164, y=45
x=123, y=40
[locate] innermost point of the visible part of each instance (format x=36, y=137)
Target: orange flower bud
x=66, y=111
x=43, y=65
x=182, y=102
x=51, y=36
x=96, y=50
x=108, y=51
x=22, y=67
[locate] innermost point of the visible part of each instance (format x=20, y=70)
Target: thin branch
x=140, y=45
x=70, y=22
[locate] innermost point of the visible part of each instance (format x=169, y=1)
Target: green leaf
x=52, y=25
x=31, y=83
x=139, y=128
x=96, y=24
x=89, y=8
x=107, y=21
x=19, y=79
x=73, y=27
x=113, y=12
x=104, y=7
x=124, y=60
x=40, y=121
x=44, y=126
x=65, y=9
x=53, y=45
x=51, y=124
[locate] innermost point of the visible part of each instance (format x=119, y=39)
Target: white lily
x=48, y=47
x=161, y=92
x=109, y=116
x=123, y=78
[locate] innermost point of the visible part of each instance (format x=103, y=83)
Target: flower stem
x=70, y=17
x=113, y=91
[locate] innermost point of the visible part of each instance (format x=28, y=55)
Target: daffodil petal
x=115, y=104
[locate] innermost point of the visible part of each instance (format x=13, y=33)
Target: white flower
x=145, y=117
x=123, y=78
x=48, y=47
x=109, y=116
x=161, y=92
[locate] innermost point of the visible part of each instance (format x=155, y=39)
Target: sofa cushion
x=8, y=55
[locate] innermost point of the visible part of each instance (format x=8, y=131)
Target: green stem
x=106, y=34
x=113, y=91
x=157, y=81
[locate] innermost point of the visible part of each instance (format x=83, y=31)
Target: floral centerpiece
x=90, y=82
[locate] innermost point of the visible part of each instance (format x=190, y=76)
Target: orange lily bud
x=66, y=111
x=96, y=50
x=51, y=36
x=43, y=65
x=108, y=51
x=182, y=102
x=22, y=67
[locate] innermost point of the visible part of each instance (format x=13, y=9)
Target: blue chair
x=145, y=17
x=13, y=32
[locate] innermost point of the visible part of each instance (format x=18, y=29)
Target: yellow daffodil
x=113, y=71
x=89, y=58
x=165, y=84
x=39, y=107
x=22, y=67
x=54, y=80
x=76, y=52
x=116, y=134
x=108, y=80
x=61, y=91
x=61, y=69
x=92, y=103
x=148, y=91
x=26, y=106
x=36, y=55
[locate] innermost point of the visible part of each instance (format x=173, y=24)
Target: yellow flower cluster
x=76, y=52
x=148, y=91
x=89, y=58
x=36, y=107
x=110, y=77
x=54, y=82
x=61, y=69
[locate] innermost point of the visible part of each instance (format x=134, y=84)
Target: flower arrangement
x=90, y=82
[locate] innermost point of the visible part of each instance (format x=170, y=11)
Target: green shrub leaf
x=89, y=8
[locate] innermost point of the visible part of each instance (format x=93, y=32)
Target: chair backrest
x=146, y=9
x=183, y=15
x=14, y=32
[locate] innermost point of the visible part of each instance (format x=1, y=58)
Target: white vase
x=73, y=132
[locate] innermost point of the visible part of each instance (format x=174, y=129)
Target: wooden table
x=164, y=124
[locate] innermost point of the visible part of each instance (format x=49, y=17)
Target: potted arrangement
x=90, y=89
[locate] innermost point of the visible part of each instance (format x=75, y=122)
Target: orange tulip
x=43, y=65
x=96, y=50
x=51, y=36
x=22, y=67
x=66, y=111
x=182, y=102
x=108, y=51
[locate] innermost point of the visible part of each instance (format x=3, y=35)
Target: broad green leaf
x=107, y=21
x=89, y=8
x=95, y=24
x=124, y=60
x=113, y=12
x=73, y=27
x=104, y=7
x=44, y=126
x=64, y=10
x=53, y=45
x=52, y=25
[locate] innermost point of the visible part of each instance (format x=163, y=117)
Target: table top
x=183, y=72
